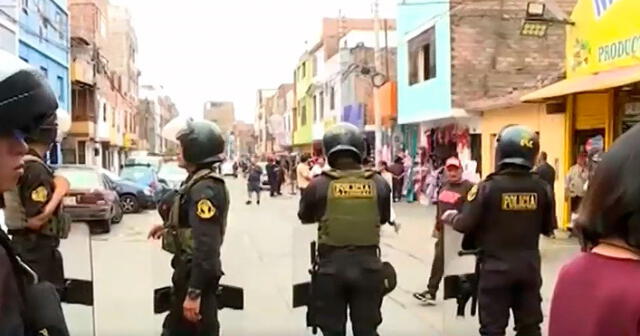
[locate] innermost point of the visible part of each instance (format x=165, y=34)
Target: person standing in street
x=26, y=102
x=350, y=204
x=545, y=170
x=253, y=182
x=597, y=292
x=384, y=172
x=397, y=170
x=303, y=173
x=34, y=212
x=195, y=230
x=504, y=217
x=272, y=176
x=575, y=183
x=451, y=197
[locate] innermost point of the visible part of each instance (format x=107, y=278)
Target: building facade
x=155, y=110
x=9, y=25
x=282, y=110
x=599, y=98
x=264, y=109
x=43, y=42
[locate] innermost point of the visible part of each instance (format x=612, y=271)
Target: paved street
x=265, y=251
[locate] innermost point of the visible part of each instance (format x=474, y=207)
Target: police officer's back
x=350, y=204
x=504, y=217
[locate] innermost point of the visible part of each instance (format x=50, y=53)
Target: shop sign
x=606, y=36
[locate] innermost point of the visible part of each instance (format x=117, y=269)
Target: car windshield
x=139, y=174
x=171, y=171
x=111, y=175
x=82, y=178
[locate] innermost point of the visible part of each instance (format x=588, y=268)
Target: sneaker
x=248, y=202
x=425, y=297
x=258, y=202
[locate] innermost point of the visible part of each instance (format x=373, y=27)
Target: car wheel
x=99, y=227
x=129, y=204
x=118, y=213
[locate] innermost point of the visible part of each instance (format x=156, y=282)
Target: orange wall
x=388, y=99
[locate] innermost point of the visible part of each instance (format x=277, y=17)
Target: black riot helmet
x=45, y=134
x=517, y=145
x=343, y=138
x=26, y=99
x=201, y=140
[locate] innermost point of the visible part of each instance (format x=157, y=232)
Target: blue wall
x=48, y=50
x=430, y=99
x=45, y=45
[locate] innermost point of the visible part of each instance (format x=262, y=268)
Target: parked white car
x=226, y=169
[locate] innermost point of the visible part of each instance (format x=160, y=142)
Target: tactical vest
x=352, y=216
x=15, y=214
x=178, y=239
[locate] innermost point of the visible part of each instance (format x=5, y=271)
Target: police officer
x=504, y=216
x=34, y=216
x=26, y=100
x=350, y=204
x=195, y=229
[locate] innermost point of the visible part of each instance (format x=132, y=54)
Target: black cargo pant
x=175, y=324
x=437, y=267
x=513, y=287
x=40, y=252
x=353, y=279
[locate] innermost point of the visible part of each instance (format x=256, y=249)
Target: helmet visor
x=174, y=128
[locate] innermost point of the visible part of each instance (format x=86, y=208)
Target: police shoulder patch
x=204, y=209
x=472, y=193
x=39, y=194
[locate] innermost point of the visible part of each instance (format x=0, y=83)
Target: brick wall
x=489, y=56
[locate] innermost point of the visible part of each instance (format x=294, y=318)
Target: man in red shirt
x=451, y=197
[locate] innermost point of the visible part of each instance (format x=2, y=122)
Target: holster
x=231, y=297
x=78, y=292
x=390, y=277
x=464, y=287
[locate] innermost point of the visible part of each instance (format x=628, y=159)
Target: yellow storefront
x=601, y=90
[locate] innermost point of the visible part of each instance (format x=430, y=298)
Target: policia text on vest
x=349, y=207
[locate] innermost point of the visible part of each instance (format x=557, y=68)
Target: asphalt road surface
x=266, y=252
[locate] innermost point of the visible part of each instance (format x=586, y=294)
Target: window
x=422, y=57
x=303, y=114
x=61, y=89
x=332, y=98
x=104, y=112
x=304, y=70
x=315, y=108
x=25, y=6
x=82, y=152
x=60, y=25
x=321, y=109
x=44, y=71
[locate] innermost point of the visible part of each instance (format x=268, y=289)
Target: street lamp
x=535, y=23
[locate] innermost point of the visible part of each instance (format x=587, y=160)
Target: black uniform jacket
x=506, y=214
x=204, y=210
x=313, y=203
x=36, y=186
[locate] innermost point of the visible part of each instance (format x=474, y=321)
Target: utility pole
x=376, y=102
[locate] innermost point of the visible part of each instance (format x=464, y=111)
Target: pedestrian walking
x=36, y=220
x=596, y=293
x=293, y=174
x=26, y=101
x=195, y=229
x=350, y=204
x=504, y=217
x=303, y=172
x=282, y=173
x=397, y=169
x=546, y=172
x=451, y=197
x=254, y=178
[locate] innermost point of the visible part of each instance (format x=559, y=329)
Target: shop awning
x=596, y=82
